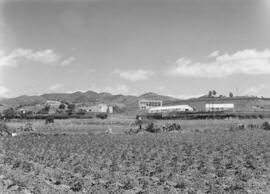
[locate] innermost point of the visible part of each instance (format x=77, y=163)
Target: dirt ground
x=72, y=156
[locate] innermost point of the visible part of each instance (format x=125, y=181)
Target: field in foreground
x=198, y=162
x=121, y=124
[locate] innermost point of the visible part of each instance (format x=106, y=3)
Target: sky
x=181, y=48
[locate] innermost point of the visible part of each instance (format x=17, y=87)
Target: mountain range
x=125, y=102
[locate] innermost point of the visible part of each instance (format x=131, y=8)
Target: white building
x=175, y=108
x=219, y=107
x=147, y=104
x=110, y=109
x=53, y=103
x=99, y=108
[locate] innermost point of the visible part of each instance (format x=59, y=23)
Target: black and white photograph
x=134, y=96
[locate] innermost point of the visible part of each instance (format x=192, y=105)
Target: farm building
x=175, y=108
x=102, y=108
x=219, y=107
x=53, y=103
x=54, y=106
x=30, y=109
x=147, y=104
x=240, y=104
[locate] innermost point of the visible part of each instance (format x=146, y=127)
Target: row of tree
x=213, y=93
x=10, y=113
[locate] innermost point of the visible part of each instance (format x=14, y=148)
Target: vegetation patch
x=213, y=162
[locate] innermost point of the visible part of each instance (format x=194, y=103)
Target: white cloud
x=249, y=62
x=68, y=61
x=161, y=88
x=56, y=87
x=214, y=54
x=48, y=56
x=255, y=90
x=3, y=91
x=137, y=75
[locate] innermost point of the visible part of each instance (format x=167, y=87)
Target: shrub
x=62, y=106
x=9, y=113
x=28, y=127
x=151, y=128
x=102, y=115
x=265, y=126
x=49, y=119
x=4, y=129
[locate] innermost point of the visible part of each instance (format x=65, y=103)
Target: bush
x=45, y=110
x=151, y=128
x=9, y=113
x=172, y=127
x=62, y=106
x=265, y=126
x=102, y=115
x=4, y=129
x=49, y=119
x=28, y=127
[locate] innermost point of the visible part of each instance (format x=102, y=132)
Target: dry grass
x=75, y=125
x=218, y=162
x=121, y=124
x=205, y=158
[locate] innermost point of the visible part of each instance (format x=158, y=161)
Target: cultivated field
x=121, y=124
x=204, y=157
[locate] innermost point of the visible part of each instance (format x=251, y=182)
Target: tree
x=210, y=93
x=71, y=106
x=231, y=94
x=45, y=110
x=214, y=92
x=71, y=109
x=9, y=113
x=62, y=106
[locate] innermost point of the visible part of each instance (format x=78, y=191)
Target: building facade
x=219, y=107
x=99, y=108
x=167, y=109
x=241, y=104
x=147, y=104
x=53, y=103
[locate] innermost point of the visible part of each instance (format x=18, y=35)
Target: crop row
x=224, y=161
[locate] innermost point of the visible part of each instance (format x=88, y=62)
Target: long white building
x=219, y=107
x=147, y=104
x=175, y=108
x=98, y=108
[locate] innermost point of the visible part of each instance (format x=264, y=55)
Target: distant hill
x=22, y=100
x=127, y=102
x=154, y=96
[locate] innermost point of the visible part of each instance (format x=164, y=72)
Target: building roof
x=171, y=107
x=34, y=108
x=219, y=105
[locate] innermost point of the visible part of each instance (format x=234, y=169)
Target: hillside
x=241, y=103
x=128, y=103
x=133, y=104
x=22, y=100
